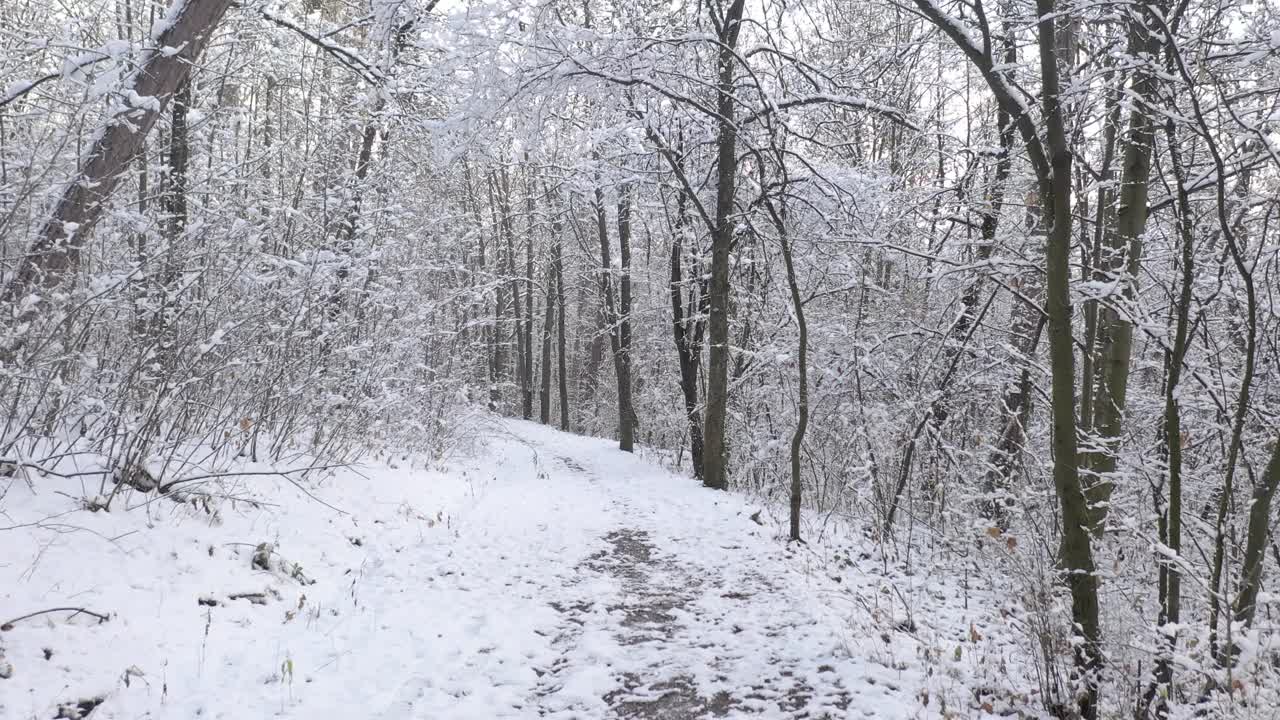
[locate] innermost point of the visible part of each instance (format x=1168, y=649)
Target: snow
x=168, y=20
x=142, y=102
x=538, y=574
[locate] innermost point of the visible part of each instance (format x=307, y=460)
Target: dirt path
x=666, y=615
x=655, y=589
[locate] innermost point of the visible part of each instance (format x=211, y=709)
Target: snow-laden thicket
x=357, y=223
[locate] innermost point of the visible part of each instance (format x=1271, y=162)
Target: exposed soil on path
x=651, y=599
x=657, y=609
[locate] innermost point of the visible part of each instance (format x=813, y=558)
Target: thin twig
x=73, y=610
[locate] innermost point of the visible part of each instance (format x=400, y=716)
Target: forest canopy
x=962, y=271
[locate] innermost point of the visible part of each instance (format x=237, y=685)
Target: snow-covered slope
x=544, y=575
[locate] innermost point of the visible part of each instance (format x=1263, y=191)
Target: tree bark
x=1170, y=524
x=619, y=334
x=1119, y=265
x=497, y=345
x=1028, y=323
x=688, y=327
x=548, y=328
x=173, y=203
x=626, y=387
x=716, y=460
x=517, y=311
x=526, y=378
x=562, y=374
x=1077, y=550
x=1255, y=550
x=779, y=217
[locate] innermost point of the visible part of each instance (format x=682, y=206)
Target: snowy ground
x=544, y=575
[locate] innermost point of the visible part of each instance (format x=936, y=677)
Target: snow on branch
x=347, y=57
x=849, y=101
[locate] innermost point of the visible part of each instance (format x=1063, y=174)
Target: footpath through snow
x=548, y=576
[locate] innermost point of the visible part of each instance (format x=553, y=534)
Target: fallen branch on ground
x=73, y=610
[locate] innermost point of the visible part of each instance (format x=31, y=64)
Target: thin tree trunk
x=562, y=373
x=1028, y=323
x=1104, y=217
x=1170, y=581
x=517, y=310
x=526, y=378
x=613, y=318
x=487, y=331
x=779, y=217
x=548, y=326
x=626, y=400
x=498, y=364
x=1246, y=604
x=350, y=220
x=688, y=326
x=990, y=225
x=173, y=203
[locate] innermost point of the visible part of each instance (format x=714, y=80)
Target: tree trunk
x=990, y=225
x=1104, y=216
x=517, y=310
x=1246, y=604
x=612, y=317
x=716, y=460
x=481, y=263
x=562, y=374
x=548, y=327
x=498, y=364
x=346, y=235
x=173, y=203
x=1119, y=265
x=779, y=217
x=1170, y=523
x=1028, y=323
x=626, y=401
x=55, y=254
x=688, y=326
x=526, y=378
x=1077, y=550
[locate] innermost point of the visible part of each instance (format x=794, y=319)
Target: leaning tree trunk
x=55, y=255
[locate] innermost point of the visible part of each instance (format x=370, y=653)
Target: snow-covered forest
x=327, y=326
